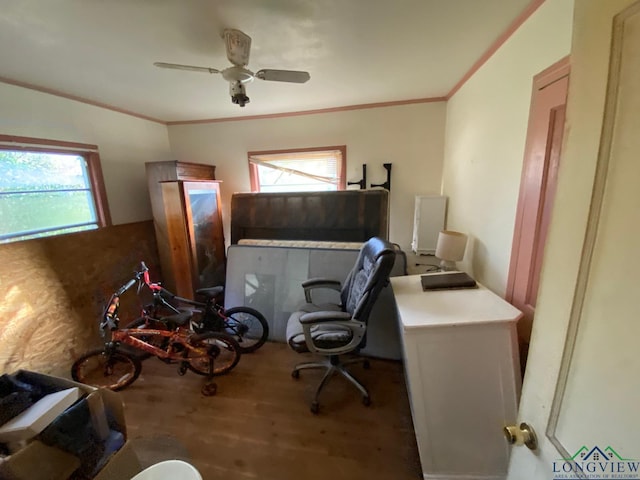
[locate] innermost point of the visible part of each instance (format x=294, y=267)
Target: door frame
x=522, y=229
x=549, y=75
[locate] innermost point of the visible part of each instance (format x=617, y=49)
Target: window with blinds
x=305, y=170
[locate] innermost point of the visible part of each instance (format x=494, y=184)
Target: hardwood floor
x=259, y=426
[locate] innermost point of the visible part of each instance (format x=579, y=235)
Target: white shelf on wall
x=428, y=220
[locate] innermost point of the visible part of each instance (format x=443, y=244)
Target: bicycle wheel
x=222, y=353
x=98, y=368
x=247, y=326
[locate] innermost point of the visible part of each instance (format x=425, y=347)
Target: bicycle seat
x=178, y=319
x=210, y=292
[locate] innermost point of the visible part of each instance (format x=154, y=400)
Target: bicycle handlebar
x=142, y=275
x=110, y=315
x=126, y=286
x=143, y=270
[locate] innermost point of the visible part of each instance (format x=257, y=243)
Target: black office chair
x=336, y=329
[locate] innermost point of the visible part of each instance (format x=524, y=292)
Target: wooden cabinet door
x=194, y=242
x=206, y=238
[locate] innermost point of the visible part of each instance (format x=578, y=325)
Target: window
x=305, y=170
x=49, y=188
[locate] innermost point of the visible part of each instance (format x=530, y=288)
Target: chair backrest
x=367, y=278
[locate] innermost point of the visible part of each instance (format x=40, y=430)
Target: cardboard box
x=123, y=465
x=37, y=461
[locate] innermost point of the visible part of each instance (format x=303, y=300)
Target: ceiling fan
x=238, y=45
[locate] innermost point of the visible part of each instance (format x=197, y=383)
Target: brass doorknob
x=522, y=434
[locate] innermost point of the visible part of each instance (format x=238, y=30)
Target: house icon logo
x=596, y=463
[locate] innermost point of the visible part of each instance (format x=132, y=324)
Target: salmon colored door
x=537, y=189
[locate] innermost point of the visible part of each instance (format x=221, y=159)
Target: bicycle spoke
x=221, y=356
x=114, y=371
x=247, y=326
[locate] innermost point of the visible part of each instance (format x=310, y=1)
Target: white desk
x=463, y=377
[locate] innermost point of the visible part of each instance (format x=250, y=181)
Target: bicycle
x=246, y=325
x=208, y=354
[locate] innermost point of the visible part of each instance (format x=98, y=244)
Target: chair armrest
x=313, y=283
x=324, y=317
x=321, y=282
x=340, y=319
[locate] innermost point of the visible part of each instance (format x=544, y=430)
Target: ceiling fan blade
x=291, y=76
x=238, y=46
x=176, y=66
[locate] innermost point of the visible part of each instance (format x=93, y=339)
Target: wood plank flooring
x=259, y=426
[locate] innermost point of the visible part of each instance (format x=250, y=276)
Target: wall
x=486, y=128
x=409, y=136
x=124, y=142
x=54, y=290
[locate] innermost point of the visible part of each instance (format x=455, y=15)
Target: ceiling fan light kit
x=238, y=46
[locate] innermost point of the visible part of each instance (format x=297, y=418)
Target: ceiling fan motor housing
x=237, y=74
x=238, y=93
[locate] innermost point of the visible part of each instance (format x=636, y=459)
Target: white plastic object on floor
x=169, y=470
x=36, y=418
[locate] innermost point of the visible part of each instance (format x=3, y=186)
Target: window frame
x=87, y=151
x=253, y=168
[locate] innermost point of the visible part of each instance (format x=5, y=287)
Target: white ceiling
x=357, y=51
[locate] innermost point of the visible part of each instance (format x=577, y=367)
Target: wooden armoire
x=185, y=201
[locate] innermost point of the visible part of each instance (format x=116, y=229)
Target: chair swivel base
x=333, y=365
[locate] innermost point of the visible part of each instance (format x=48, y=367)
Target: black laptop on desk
x=447, y=281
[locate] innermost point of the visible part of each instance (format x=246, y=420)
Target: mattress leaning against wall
x=268, y=278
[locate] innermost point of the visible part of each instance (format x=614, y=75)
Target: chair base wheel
x=295, y=374
x=315, y=408
x=209, y=389
x=366, y=401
